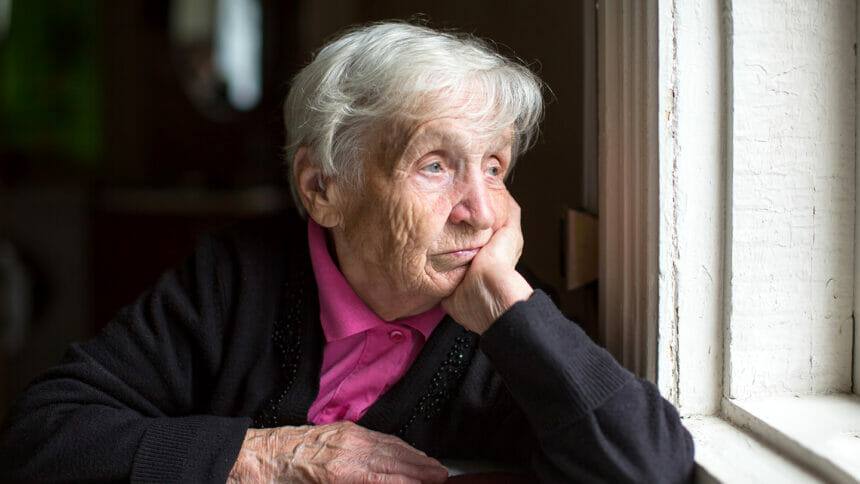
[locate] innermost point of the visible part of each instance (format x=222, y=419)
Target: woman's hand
x=341, y=452
x=491, y=285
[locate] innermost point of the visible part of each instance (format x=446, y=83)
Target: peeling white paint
x=756, y=256
x=756, y=177
x=755, y=214
x=792, y=205
x=692, y=95
x=731, y=455
x=856, y=327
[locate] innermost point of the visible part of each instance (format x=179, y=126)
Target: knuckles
x=342, y=452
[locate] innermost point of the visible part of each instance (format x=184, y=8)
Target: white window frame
x=665, y=131
x=856, y=370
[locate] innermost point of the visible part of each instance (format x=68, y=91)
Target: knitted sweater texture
x=231, y=339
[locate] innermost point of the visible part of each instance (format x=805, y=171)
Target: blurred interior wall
x=99, y=148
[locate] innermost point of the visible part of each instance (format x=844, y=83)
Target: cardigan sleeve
x=124, y=406
x=594, y=421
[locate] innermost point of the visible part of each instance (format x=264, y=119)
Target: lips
x=457, y=258
x=464, y=252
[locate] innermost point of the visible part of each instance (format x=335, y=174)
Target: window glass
x=218, y=48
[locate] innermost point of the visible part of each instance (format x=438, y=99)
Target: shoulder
x=260, y=244
x=254, y=256
x=275, y=232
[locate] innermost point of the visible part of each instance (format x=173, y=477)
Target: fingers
x=372, y=437
x=394, y=456
x=409, y=456
x=375, y=478
x=342, y=452
x=514, y=222
x=432, y=472
x=491, y=285
x=514, y=212
x=506, y=244
x=379, y=457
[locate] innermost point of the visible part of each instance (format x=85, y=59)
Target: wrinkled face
x=408, y=235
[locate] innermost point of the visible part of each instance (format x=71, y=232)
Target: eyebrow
x=456, y=139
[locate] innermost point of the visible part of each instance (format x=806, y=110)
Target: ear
x=314, y=191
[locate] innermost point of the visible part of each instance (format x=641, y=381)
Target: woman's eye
x=494, y=171
x=433, y=168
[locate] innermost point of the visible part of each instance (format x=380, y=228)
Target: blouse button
x=396, y=336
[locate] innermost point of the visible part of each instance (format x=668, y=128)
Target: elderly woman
x=386, y=325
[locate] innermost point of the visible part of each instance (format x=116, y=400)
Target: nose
x=474, y=206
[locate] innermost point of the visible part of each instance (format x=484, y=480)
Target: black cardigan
x=232, y=339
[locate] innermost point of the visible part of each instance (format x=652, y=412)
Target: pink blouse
x=363, y=355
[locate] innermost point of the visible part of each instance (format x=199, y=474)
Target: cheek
x=416, y=222
x=366, y=228
x=402, y=220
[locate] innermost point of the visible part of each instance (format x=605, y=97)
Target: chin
x=451, y=280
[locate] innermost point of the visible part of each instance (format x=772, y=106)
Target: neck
x=389, y=303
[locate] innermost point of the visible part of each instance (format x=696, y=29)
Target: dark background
x=109, y=170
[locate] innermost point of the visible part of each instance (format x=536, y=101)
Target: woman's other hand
x=341, y=452
x=491, y=285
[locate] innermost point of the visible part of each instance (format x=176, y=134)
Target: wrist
x=264, y=453
x=514, y=289
x=506, y=291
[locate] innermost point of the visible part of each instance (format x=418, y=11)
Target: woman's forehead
x=465, y=118
x=462, y=132
x=455, y=134
x=468, y=103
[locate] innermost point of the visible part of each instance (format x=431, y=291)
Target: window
x=728, y=128
x=218, y=45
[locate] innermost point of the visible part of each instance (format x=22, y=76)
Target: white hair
x=383, y=73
